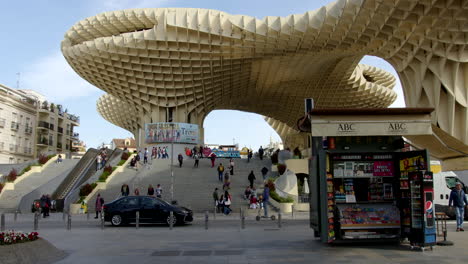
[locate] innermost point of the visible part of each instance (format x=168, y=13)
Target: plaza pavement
x=224, y=242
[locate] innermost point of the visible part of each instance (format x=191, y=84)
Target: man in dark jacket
x=459, y=201
x=251, y=178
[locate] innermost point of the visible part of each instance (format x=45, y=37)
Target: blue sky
x=31, y=35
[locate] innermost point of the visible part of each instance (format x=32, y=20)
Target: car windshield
x=451, y=181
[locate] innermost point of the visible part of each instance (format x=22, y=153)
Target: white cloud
x=55, y=79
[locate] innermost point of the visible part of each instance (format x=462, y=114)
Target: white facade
x=29, y=126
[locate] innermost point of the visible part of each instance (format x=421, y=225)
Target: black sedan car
x=152, y=210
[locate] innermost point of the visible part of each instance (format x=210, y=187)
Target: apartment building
x=18, y=114
x=33, y=126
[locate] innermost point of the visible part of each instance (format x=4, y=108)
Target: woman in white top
x=231, y=166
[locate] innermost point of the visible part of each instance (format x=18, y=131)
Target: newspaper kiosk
x=364, y=184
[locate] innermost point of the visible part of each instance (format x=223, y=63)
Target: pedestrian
x=227, y=182
x=260, y=153
x=48, y=205
x=137, y=159
x=59, y=158
x=99, y=204
x=136, y=192
x=265, y=199
x=213, y=159
x=98, y=162
x=133, y=163
x=150, y=190
x=220, y=172
x=180, y=158
x=227, y=203
x=247, y=193
x=43, y=205
x=251, y=178
x=249, y=155
x=124, y=190
x=231, y=166
x=145, y=156
x=264, y=172
x=197, y=159
x=159, y=191
x=459, y=201
x=216, y=198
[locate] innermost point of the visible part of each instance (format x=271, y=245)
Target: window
x=150, y=202
x=131, y=201
x=451, y=181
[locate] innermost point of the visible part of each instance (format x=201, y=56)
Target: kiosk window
x=441, y=196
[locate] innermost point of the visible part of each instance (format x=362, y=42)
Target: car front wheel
x=172, y=219
x=116, y=220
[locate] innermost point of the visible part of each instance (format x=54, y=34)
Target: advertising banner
x=171, y=132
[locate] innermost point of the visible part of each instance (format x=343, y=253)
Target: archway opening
x=384, y=65
x=231, y=127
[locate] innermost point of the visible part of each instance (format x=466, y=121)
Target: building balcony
x=28, y=130
x=14, y=125
x=43, y=125
x=42, y=142
x=73, y=118
x=2, y=145
x=14, y=148
x=2, y=122
x=76, y=135
x=60, y=130
x=27, y=150
x=59, y=145
x=51, y=126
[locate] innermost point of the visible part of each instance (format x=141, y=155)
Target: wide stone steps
x=193, y=187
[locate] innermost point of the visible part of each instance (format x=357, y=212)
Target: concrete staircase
x=193, y=187
x=10, y=199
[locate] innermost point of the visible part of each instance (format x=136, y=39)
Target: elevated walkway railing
x=85, y=163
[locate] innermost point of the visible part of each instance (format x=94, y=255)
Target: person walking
x=150, y=190
x=249, y=155
x=213, y=159
x=136, y=192
x=251, y=178
x=98, y=162
x=216, y=199
x=99, y=204
x=264, y=172
x=145, y=156
x=180, y=158
x=265, y=199
x=197, y=159
x=260, y=153
x=459, y=201
x=59, y=159
x=220, y=172
x=231, y=166
x=159, y=191
x=137, y=163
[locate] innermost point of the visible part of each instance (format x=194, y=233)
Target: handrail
x=89, y=155
x=90, y=176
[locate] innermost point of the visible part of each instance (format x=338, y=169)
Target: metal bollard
x=240, y=213
x=16, y=215
x=63, y=214
x=214, y=212
x=279, y=220
x=69, y=220
x=206, y=220
x=242, y=220
x=36, y=220
x=2, y=225
x=171, y=214
x=137, y=219
x=292, y=211
x=102, y=222
x=87, y=214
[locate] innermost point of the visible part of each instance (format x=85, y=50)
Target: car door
x=129, y=208
x=149, y=209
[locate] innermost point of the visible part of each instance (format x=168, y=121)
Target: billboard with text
x=164, y=132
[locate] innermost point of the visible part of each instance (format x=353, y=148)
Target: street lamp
x=172, y=162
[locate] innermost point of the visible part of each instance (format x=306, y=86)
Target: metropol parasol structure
x=179, y=64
